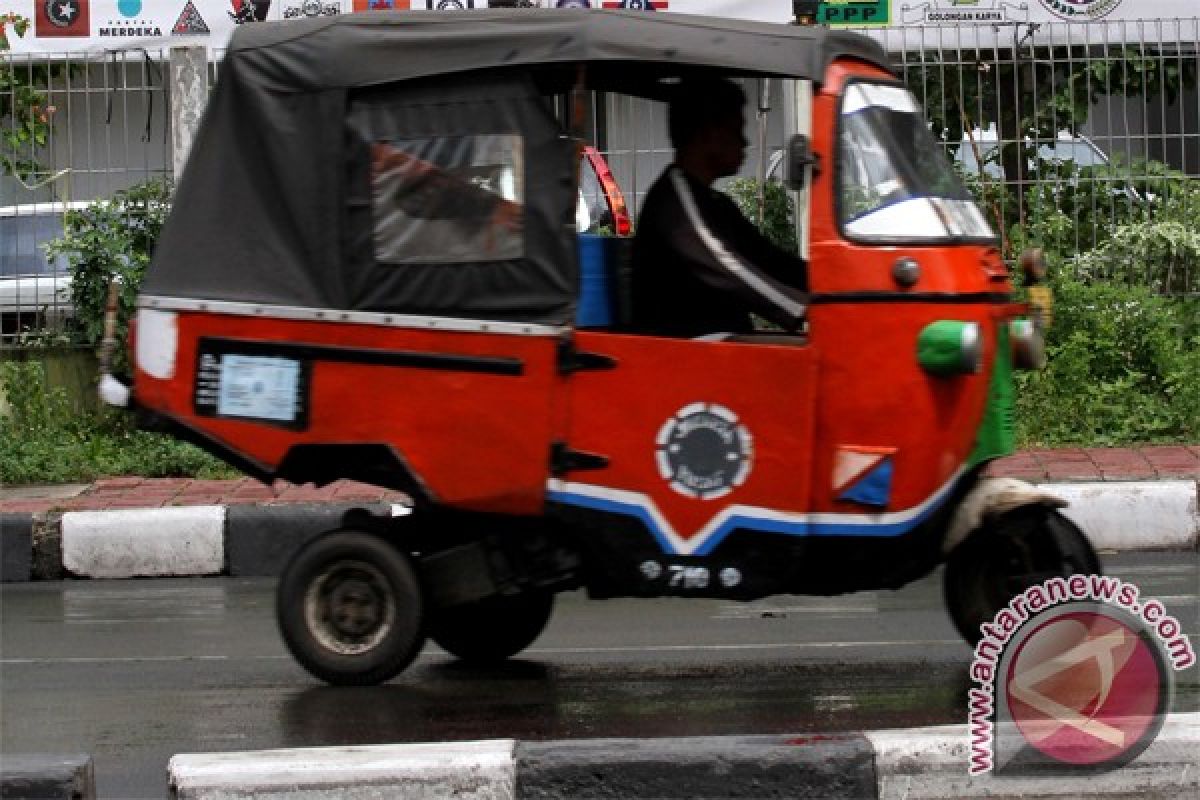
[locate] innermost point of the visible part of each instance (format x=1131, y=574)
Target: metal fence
x=73, y=129
x=1084, y=137
x=1081, y=137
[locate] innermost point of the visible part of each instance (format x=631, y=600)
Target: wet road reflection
x=137, y=671
x=525, y=699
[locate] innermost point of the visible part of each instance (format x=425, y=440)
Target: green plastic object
x=997, y=435
x=949, y=347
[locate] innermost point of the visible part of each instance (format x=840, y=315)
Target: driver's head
x=705, y=120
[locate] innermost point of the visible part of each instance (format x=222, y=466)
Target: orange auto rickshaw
x=372, y=271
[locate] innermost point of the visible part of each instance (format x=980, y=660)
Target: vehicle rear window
x=448, y=199
x=21, y=242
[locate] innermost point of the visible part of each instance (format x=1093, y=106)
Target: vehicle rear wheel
x=1007, y=556
x=491, y=630
x=350, y=609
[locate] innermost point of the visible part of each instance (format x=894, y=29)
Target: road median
x=257, y=539
x=915, y=764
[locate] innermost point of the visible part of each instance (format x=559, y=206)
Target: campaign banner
x=95, y=26
x=985, y=24
x=67, y=26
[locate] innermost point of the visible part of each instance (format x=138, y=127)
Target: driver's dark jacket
x=699, y=266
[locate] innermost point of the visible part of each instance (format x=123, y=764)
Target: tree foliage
x=111, y=240
x=1032, y=94
x=26, y=113
x=44, y=439
x=1040, y=92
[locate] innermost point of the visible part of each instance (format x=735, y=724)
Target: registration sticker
x=259, y=387
x=266, y=388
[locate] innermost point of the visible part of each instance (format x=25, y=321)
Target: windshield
x=895, y=181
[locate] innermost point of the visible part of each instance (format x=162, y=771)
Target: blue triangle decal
x=874, y=488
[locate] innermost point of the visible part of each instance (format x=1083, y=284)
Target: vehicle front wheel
x=491, y=630
x=1018, y=550
x=350, y=609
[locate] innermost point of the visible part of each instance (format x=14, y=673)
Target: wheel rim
x=1006, y=572
x=350, y=607
x=1014, y=567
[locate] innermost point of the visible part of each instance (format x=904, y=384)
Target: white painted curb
x=435, y=771
x=144, y=542
x=931, y=764
x=1121, y=516
x=1133, y=515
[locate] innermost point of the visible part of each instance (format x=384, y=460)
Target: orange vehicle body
x=408, y=299
x=481, y=439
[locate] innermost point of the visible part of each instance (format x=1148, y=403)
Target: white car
x=1066, y=147
x=35, y=291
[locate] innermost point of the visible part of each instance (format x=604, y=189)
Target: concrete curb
x=930, y=764
x=461, y=770
x=258, y=539
x=916, y=764
x=1162, y=512
x=144, y=543
x=164, y=542
x=47, y=776
x=16, y=547
x=697, y=768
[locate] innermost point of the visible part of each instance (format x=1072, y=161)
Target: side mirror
x=797, y=159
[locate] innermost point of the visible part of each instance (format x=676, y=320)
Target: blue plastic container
x=595, y=282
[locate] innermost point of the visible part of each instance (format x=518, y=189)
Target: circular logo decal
x=704, y=452
x=451, y=5
x=61, y=13
x=1088, y=687
x=129, y=8
x=1081, y=10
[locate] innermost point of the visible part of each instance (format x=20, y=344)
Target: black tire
x=491, y=630
x=350, y=609
x=1007, y=556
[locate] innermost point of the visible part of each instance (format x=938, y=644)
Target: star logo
x=61, y=13
x=63, y=18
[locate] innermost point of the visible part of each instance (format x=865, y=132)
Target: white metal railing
x=1121, y=102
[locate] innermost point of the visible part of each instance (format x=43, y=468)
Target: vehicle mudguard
x=993, y=496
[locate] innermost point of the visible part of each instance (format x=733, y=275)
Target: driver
x=699, y=266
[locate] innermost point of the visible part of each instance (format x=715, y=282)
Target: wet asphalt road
x=136, y=671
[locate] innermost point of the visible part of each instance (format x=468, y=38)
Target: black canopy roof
x=356, y=50
x=275, y=205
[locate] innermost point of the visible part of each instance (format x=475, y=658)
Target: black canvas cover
x=407, y=162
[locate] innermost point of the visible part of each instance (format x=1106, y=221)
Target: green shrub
x=1122, y=365
x=1124, y=351
x=778, y=220
x=43, y=440
x=1163, y=255
x=111, y=240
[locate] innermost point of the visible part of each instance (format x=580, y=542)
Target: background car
x=35, y=291
x=1066, y=147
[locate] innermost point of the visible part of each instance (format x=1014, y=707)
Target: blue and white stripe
x=754, y=518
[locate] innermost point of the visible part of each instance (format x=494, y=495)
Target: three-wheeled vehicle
x=371, y=271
